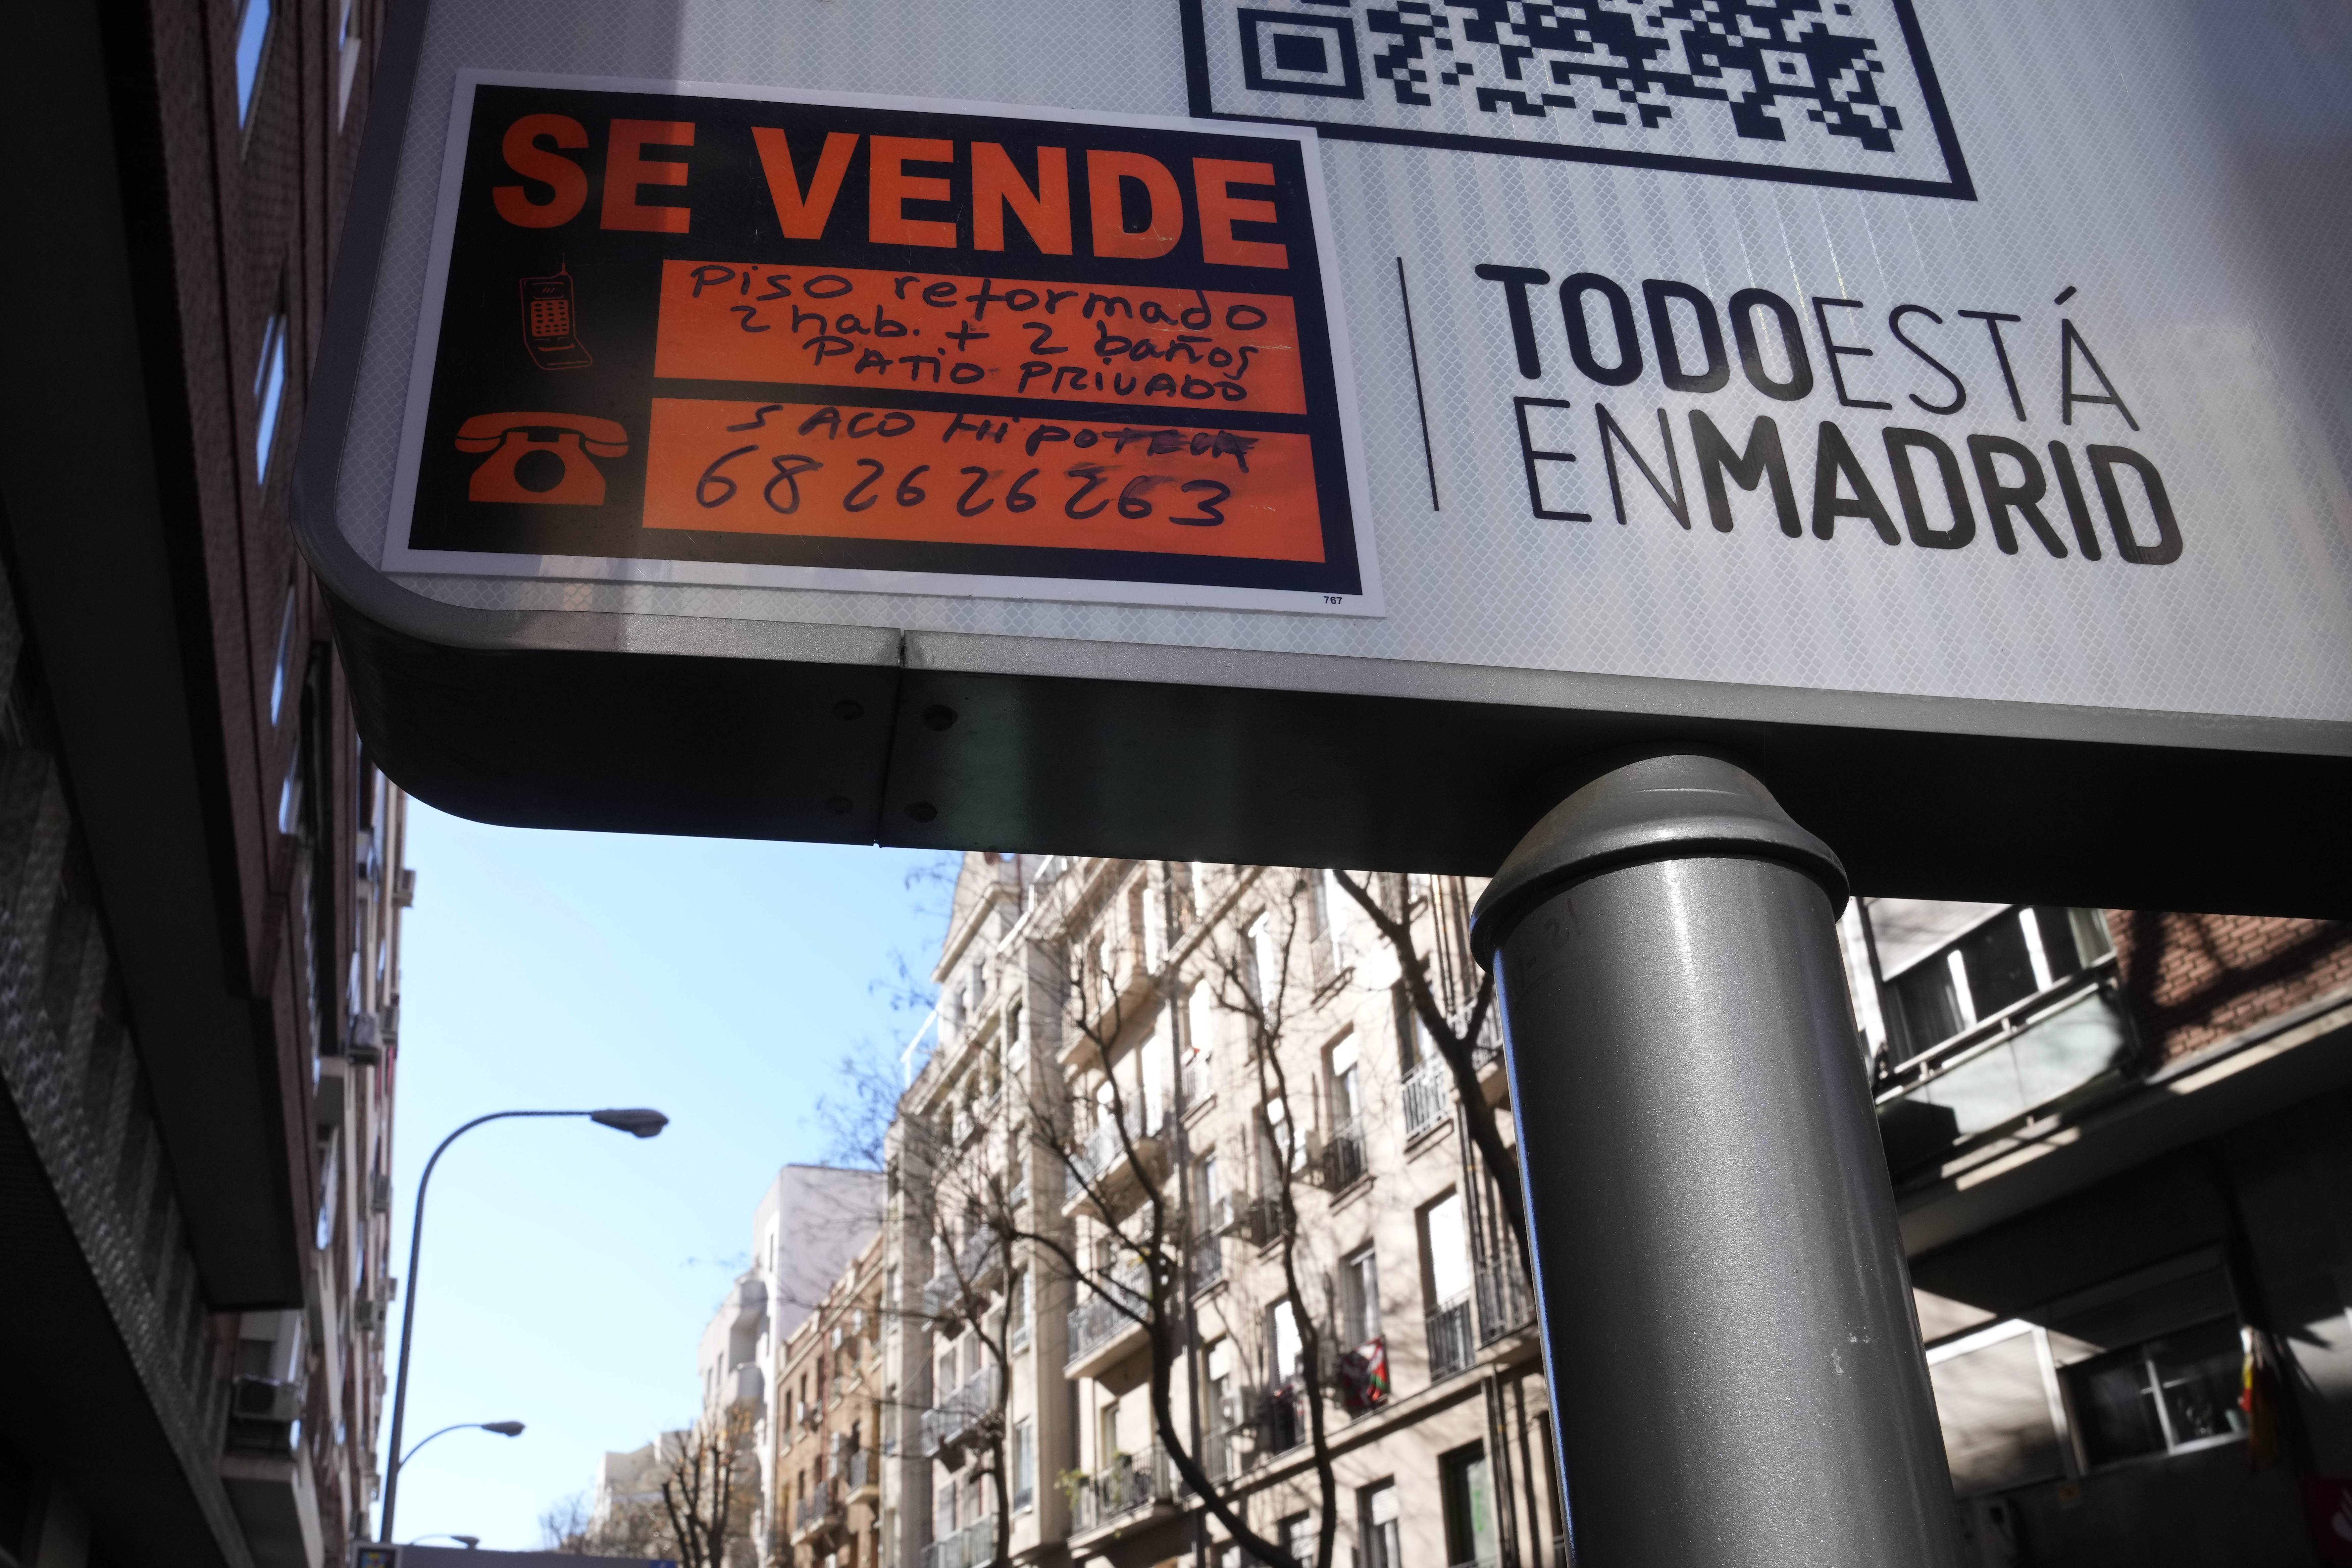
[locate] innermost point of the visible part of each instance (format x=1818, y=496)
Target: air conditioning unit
x=327, y=1099
x=265, y=1399
x=361, y=1040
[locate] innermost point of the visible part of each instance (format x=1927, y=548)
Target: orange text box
x=1167, y=348
x=849, y=473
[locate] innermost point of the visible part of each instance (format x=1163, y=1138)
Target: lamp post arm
x=408, y=1307
x=445, y=1431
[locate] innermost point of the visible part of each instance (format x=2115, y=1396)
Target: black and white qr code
x=1825, y=92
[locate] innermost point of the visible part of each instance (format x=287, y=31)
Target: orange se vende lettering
x=982, y=178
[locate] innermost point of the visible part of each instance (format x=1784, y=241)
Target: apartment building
x=812, y=1224
x=2118, y=1140
x=828, y=1477
x=201, y=868
x=1217, y=1056
x=2122, y=1147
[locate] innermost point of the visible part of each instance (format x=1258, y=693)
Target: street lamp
x=503, y=1428
x=637, y=1121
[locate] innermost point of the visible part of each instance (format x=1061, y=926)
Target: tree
x=1455, y=1038
x=1139, y=1275
x=708, y=1515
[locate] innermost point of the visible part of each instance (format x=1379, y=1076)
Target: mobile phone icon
x=549, y=328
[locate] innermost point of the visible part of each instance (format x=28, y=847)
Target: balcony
x=1486, y=1056
x=973, y=1546
x=1282, y=1418
x=1506, y=1304
x=1257, y=1221
x=945, y=1425
x=1428, y=1099
x=2028, y=1059
x=1208, y=1259
x=1100, y=1169
x=1200, y=1082
x=1102, y=1331
x=975, y=1267
x=861, y=1476
x=1451, y=1347
x=1131, y=1485
x=1343, y=1157
x=820, y=1510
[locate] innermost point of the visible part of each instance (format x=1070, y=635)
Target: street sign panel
x=1940, y=405
x=807, y=341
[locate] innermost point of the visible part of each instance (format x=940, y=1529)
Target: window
x=1282, y=1342
x=1266, y=960
x=1347, y=1082
x=285, y=659
x=1106, y=1448
x=1298, y=1537
x=268, y=378
x=1377, y=1522
x=1473, y=1531
x=1025, y=1465
x=1209, y=1193
x=1999, y=963
x=1413, y=1045
x=1284, y=1141
x=347, y=56
x=2145, y=1365
x=1359, y=1297
x=1223, y=1408
x=2163, y=1396
x=252, y=41
x=1448, y=1240
x=1446, y=1257
x=290, y=797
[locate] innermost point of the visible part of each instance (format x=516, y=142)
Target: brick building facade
x=200, y=871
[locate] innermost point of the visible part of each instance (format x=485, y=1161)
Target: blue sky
x=568, y=1270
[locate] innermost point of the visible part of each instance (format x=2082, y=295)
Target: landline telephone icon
x=546, y=459
x=549, y=322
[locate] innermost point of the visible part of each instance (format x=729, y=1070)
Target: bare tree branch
x=1457, y=1050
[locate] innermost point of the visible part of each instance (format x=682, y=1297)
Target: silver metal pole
x=1734, y=1361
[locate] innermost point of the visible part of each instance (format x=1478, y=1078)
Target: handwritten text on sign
x=815, y=342
x=1007, y=337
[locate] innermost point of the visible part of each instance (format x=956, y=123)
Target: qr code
x=1828, y=91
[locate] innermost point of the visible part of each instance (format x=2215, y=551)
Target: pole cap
x=1675, y=805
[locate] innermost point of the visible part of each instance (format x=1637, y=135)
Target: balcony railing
x=948, y=1422
x=1103, y=1149
x=1428, y=1099
x=2024, y=1059
x=973, y=1546
x=1343, y=1157
x=1099, y=1317
x=1129, y=1485
x=976, y=1261
x=861, y=1471
x=1282, y=1418
x=1506, y=1304
x=814, y=1510
x=1451, y=1345
x=1208, y=1259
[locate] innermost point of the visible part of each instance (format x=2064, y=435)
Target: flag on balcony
x=1364, y=1375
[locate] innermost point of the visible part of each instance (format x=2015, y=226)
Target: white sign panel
x=1904, y=349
